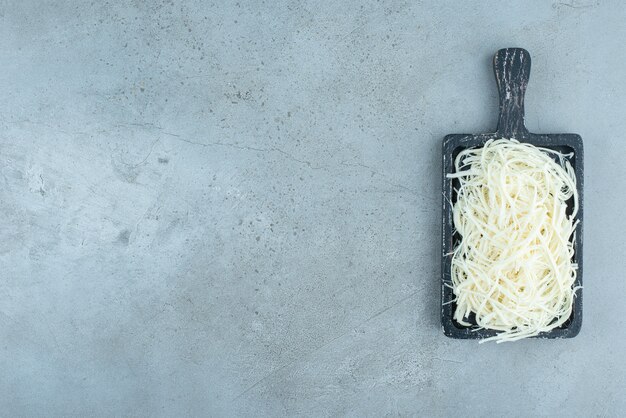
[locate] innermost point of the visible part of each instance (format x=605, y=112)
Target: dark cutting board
x=512, y=69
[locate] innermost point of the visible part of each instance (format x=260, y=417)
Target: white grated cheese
x=513, y=265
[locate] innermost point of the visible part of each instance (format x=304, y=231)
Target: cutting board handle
x=512, y=69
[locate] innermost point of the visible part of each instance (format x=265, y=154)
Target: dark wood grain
x=512, y=70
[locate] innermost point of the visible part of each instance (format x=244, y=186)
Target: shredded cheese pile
x=513, y=266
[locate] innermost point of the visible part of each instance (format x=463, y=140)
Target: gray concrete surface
x=233, y=209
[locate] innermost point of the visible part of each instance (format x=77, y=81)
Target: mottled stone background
x=233, y=208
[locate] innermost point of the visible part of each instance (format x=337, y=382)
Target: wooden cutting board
x=512, y=69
